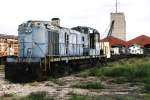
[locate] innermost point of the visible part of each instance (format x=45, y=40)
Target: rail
x=2, y=68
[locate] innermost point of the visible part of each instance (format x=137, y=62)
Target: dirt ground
x=61, y=88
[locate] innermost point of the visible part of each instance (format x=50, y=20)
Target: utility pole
x=116, y=6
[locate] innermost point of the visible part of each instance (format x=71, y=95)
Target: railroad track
x=2, y=72
x=2, y=68
x=118, y=57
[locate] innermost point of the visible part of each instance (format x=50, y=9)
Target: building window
x=82, y=38
x=83, y=45
x=92, y=41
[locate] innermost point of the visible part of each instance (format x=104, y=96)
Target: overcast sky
x=92, y=13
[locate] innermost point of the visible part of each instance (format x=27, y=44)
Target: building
x=116, y=45
x=143, y=41
x=135, y=49
x=138, y=45
x=8, y=45
x=119, y=26
x=105, y=48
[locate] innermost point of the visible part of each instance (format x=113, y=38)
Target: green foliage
x=130, y=71
x=133, y=69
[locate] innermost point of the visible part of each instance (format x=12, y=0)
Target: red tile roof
x=141, y=40
x=114, y=41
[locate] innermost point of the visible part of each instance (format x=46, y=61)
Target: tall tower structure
x=119, y=27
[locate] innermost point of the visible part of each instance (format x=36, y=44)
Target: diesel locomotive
x=46, y=48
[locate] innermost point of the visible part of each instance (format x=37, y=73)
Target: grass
x=131, y=72
x=134, y=69
x=57, y=81
x=147, y=87
x=41, y=95
x=147, y=97
x=8, y=95
x=86, y=97
x=78, y=97
x=90, y=85
x=36, y=96
x=120, y=80
x=35, y=83
x=125, y=70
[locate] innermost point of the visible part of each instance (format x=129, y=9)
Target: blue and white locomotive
x=40, y=41
x=41, y=38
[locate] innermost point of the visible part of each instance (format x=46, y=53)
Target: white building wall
x=119, y=28
x=106, y=48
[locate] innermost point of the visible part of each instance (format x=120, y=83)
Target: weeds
x=57, y=81
x=8, y=95
x=83, y=74
x=34, y=83
x=86, y=97
x=120, y=80
x=147, y=87
x=76, y=97
x=90, y=85
x=146, y=97
x=37, y=96
x=134, y=69
x=131, y=73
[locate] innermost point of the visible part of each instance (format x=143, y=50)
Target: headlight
x=28, y=30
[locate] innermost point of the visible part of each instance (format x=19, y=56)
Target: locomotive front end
x=32, y=37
